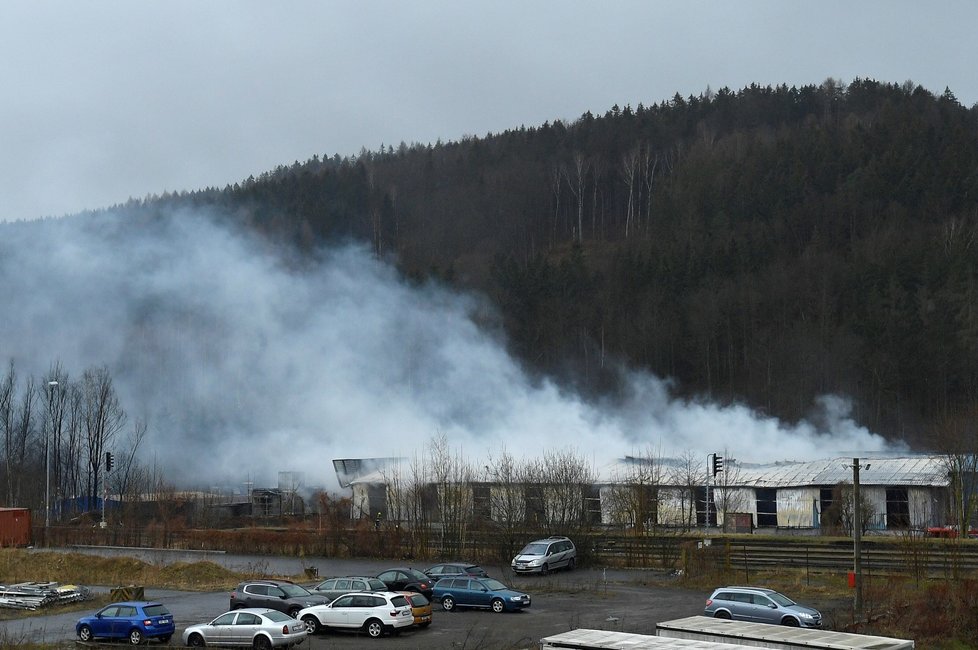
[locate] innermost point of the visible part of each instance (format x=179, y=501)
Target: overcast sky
x=107, y=100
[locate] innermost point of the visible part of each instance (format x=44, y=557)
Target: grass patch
x=21, y=565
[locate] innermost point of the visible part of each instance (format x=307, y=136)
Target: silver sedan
x=261, y=629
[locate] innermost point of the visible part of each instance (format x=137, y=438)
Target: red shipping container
x=15, y=527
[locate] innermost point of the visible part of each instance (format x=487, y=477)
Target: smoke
x=243, y=365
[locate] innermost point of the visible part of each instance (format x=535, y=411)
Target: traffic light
x=108, y=461
x=717, y=464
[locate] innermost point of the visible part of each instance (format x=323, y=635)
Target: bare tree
x=727, y=496
x=102, y=418
x=688, y=476
x=565, y=481
x=633, y=500
x=451, y=477
x=7, y=395
x=962, y=468
x=650, y=162
x=71, y=448
x=556, y=178
x=629, y=165
x=507, y=478
x=581, y=166
x=126, y=465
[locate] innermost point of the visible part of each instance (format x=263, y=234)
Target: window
x=767, y=507
x=329, y=585
x=128, y=611
x=110, y=611
x=481, y=501
x=343, y=584
x=225, y=619
x=897, y=508
x=156, y=610
x=247, y=619
x=343, y=601
x=592, y=504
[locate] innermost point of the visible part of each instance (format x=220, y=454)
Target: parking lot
x=626, y=600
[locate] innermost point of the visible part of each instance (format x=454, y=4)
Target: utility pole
x=857, y=530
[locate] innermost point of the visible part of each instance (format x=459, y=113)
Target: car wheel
x=85, y=633
x=311, y=622
x=448, y=603
x=135, y=637
x=262, y=643
x=196, y=641
x=545, y=569
x=790, y=622
x=374, y=628
x=722, y=614
x=294, y=612
x=498, y=605
x=571, y=564
x=165, y=639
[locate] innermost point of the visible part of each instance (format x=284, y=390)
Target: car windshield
x=494, y=585
x=276, y=616
x=294, y=591
x=156, y=610
x=417, y=575
x=534, y=549
x=781, y=599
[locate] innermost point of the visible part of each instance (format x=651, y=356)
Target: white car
x=375, y=613
x=259, y=628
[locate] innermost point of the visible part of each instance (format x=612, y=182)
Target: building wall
x=797, y=507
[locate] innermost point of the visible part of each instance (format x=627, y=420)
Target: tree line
x=766, y=245
x=57, y=431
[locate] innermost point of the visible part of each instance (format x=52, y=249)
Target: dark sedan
x=453, y=569
x=333, y=588
x=407, y=579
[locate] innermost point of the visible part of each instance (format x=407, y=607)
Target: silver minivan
x=545, y=555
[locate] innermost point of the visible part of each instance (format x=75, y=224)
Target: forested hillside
x=767, y=245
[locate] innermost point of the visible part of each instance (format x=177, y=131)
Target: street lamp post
x=52, y=385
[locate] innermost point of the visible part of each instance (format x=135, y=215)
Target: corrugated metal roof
x=903, y=471
x=911, y=470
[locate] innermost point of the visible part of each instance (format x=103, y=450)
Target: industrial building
x=896, y=493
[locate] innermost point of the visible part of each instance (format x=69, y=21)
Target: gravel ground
x=619, y=599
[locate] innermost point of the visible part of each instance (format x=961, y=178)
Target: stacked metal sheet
x=32, y=595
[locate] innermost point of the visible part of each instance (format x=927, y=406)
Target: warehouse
x=896, y=493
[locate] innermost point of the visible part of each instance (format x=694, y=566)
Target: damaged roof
x=910, y=470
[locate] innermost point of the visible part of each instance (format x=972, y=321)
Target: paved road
x=630, y=601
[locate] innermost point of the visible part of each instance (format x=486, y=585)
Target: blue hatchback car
x=135, y=621
x=478, y=592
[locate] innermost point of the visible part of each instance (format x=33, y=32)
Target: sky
x=109, y=100
x=242, y=366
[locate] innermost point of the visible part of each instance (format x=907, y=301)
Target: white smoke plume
x=243, y=366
